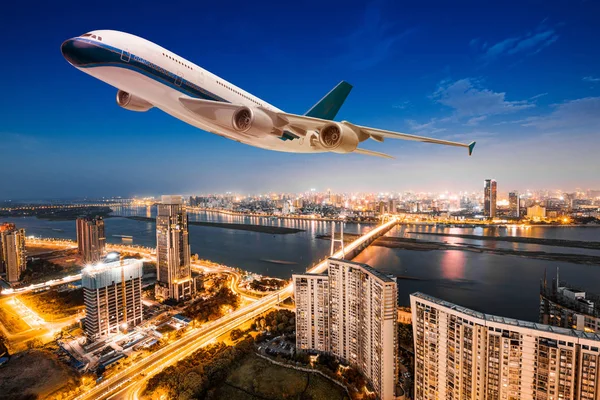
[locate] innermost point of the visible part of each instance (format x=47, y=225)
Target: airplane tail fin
x=328, y=106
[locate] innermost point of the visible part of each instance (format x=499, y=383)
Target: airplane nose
x=80, y=53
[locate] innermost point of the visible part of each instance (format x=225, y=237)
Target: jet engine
x=253, y=122
x=338, y=138
x=131, y=102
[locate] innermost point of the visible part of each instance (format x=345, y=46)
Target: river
x=496, y=284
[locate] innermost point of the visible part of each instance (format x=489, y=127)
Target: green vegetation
x=267, y=284
x=277, y=322
x=40, y=271
x=53, y=305
x=35, y=374
x=405, y=335
x=214, y=307
x=256, y=378
x=198, y=375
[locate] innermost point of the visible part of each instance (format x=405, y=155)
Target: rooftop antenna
x=340, y=240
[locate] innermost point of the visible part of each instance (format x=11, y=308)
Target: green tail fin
x=328, y=106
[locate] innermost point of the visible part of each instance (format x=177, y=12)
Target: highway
x=127, y=379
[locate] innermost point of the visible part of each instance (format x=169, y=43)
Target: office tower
x=112, y=294
x=311, y=292
x=513, y=203
x=13, y=256
x=567, y=307
x=91, y=239
x=465, y=354
x=490, y=192
x=350, y=313
x=173, y=272
x=536, y=212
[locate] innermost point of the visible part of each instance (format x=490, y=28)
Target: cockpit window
x=86, y=35
x=99, y=38
x=93, y=36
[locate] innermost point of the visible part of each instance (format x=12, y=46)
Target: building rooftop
x=98, y=268
x=508, y=321
x=366, y=267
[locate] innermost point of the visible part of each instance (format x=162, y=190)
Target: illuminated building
x=351, y=313
x=465, y=354
x=311, y=292
x=536, y=212
x=112, y=294
x=173, y=272
x=91, y=239
x=490, y=192
x=513, y=204
x=13, y=256
x=567, y=307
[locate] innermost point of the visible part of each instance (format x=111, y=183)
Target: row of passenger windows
x=177, y=61
x=240, y=93
x=92, y=36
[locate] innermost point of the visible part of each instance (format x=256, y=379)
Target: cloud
x=579, y=114
x=469, y=99
x=371, y=42
x=591, y=79
x=476, y=120
x=427, y=128
x=537, y=96
x=529, y=43
x=402, y=105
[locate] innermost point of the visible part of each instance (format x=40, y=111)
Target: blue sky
x=521, y=78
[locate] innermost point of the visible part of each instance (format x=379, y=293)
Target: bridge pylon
x=340, y=240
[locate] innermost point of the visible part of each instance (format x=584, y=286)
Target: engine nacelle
x=338, y=138
x=253, y=122
x=131, y=102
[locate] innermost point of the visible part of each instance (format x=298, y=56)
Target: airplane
x=147, y=75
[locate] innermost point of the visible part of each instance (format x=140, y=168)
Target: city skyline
x=523, y=84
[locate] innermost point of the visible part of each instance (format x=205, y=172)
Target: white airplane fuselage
x=161, y=78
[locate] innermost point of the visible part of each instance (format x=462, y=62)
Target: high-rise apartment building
x=465, y=354
x=513, y=204
x=568, y=307
x=173, y=271
x=112, y=294
x=13, y=256
x=351, y=313
x=91, y=239
x=311, y=292
x=490, y=192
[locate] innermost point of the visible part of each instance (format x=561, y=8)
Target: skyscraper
x=112, y=294
x=311, y=292
x=174, y=275
x=350, y=312
x=13, y=256
x=489, y=198
x=465, y=354
x=513, y=203
x=91, y=239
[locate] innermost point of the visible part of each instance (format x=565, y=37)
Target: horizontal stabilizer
x=328, y=107
x=372, y=153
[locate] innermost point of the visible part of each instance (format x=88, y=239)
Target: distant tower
x=490, y=192
x=513, y=201
x=173, y=271
x=91, y=239
x=13, y=257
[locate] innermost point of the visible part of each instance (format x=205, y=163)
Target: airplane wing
x=300, y=125
x=365, y=132
x=372, y=153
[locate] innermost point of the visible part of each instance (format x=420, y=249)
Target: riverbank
x=274, y=230
x=283, y=217
x=423, y=245
x=519, y=239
